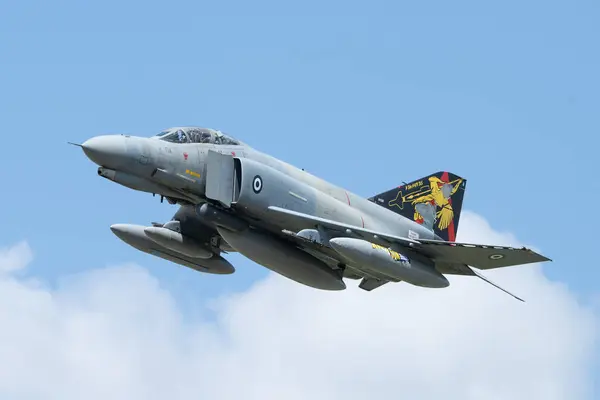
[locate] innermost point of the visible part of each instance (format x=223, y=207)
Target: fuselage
x=147, y=159
x=351, y=208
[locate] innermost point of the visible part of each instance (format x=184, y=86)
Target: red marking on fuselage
x=233, y=153
x=185, y=156
x=347, y=197
x=363, y=221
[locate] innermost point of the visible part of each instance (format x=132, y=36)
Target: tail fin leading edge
x=434, y=201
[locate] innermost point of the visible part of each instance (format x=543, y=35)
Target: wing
x=450, y=257
x=476, y=255
x=479, y=256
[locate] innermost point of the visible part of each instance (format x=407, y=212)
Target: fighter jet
x=234, y=198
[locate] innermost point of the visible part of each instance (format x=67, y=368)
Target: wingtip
x=544, y=258
x=541, y=256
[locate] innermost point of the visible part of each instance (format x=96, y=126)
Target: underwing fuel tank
x=177, y=242
x=135, y=236
x=283, y=258
x=382, y=261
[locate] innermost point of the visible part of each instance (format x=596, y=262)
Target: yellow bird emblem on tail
x=439, y=195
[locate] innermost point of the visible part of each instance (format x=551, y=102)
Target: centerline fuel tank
x=283, y=258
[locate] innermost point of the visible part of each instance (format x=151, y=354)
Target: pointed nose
x=120, y=229
x=107, y=151
x=130, y=234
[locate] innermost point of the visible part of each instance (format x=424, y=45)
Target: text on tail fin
x=434, y=202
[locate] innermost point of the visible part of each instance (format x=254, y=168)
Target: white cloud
x=114, y=333
x=15, y=258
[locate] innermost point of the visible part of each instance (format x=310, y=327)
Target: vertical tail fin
x=434, y=201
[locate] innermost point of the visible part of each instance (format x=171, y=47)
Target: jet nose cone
x=106, y=151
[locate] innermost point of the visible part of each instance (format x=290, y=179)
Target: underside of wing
x=449, y=257
x=451, y=253
x=479, y=256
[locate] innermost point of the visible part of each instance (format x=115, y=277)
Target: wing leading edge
x=455, y=257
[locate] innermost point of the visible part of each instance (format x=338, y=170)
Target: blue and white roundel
x=257, y=184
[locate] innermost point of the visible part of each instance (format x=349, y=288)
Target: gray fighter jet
x=234, y=198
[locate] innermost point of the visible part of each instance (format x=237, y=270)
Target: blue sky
x=363, y=94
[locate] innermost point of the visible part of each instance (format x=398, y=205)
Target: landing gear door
x=219, y=177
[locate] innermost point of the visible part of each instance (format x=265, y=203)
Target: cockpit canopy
x=196, y=135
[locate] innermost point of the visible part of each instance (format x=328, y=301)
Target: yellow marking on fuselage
x=192, y=173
